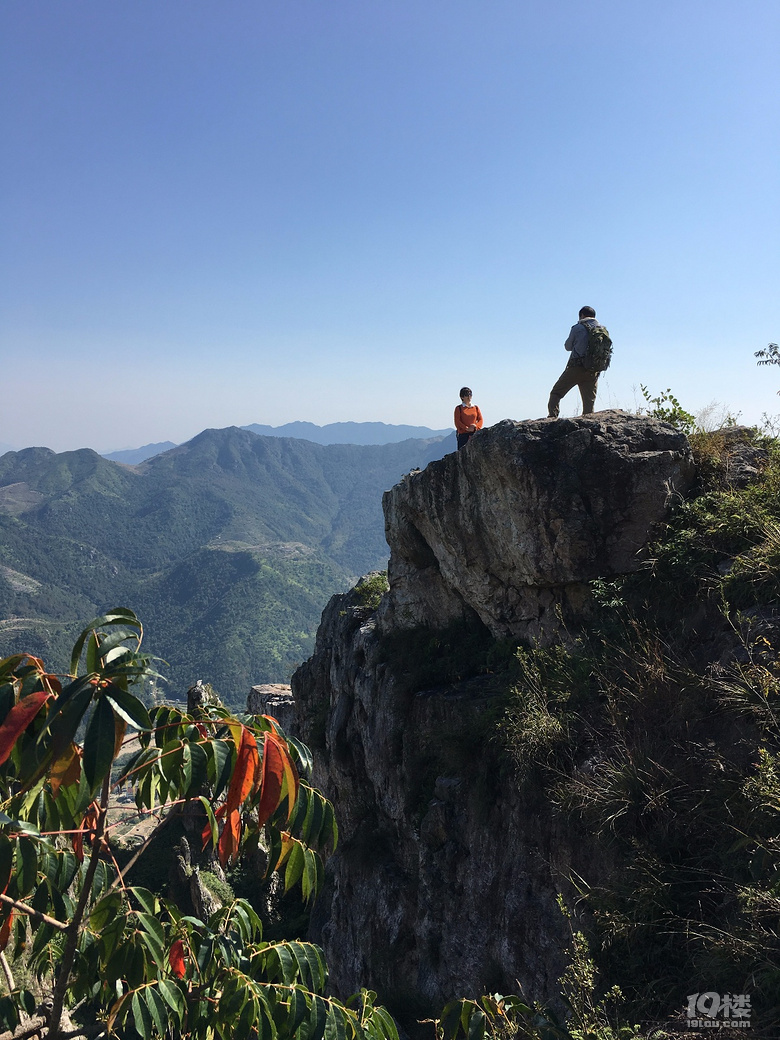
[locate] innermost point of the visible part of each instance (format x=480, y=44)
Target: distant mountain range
x=333, y=433
x=347, y=432
x=227, y=547
x=132, y=456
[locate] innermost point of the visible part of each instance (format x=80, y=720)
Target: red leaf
x=66, y=770
x=18, y=719
x=176, y=959
x=230, y=839
x=206, y=832
x=5, y=931
x=88, y=825
x=272, y=776
x=243, y=779
x=278, y=766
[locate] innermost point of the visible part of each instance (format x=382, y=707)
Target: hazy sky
x=220, y=212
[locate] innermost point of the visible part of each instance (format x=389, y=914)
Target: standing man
x=578, y=372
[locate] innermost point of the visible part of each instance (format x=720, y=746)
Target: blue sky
x=220, y=213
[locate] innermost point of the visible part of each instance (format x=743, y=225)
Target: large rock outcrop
x=514, y=526
x=448, y=873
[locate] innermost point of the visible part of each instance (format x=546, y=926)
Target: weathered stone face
x=513, y=526
x=445, y=882
x=276, y=700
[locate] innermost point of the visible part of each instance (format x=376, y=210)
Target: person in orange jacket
x=468, y=418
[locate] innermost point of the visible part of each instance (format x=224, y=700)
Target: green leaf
x=200, y=769
x=302, y=754
x=222, y=752
x=311, y=965
x=9, y=1014
x=146, y=790
x=128, y=707
x=40, y=902
x=245, y=1025
x=103, y=879
x=288, y=966
x=312, y=874
x=91, y=656
x=295, y=865
x=152, y=926
x=116, y=640
x=157, y=1009
x=298, y=1008
x=26, y=866
x=117, y=616
x=99, y=743
x=185, y=778
x=314, y=817
x=155, y=948
x=170, y=761
x=105, y=910
x=60, y=909
x=477, y=1024
x=111, y=935
x=70, y=705
x=148, y=900
x=141, y=1017
x=335, y=1024
x=318, y=1019
x=450, y=1019
x=44, y=933
x=387, y=1027
x=173, y=997
x=6, y=860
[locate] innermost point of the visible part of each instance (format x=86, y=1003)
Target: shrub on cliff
x=96, y=954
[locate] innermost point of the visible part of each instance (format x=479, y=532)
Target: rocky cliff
x=447, y=878
x=513, y=529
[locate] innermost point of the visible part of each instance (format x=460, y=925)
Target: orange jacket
x=465, y=417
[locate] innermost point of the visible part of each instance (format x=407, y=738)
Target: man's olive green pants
x=574, y=375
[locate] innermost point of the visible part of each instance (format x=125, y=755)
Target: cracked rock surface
x=446, y=879
x=514, y=526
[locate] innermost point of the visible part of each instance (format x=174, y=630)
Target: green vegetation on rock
x=654, y=731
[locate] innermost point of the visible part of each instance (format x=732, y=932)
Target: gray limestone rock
x=276, y=700
x=515, y=525
x=446, y=878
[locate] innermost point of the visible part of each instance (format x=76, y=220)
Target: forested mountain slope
x=228, y=546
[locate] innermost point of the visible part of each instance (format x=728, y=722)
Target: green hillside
x=228, y=546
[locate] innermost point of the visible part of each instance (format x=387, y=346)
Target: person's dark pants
x=463, y=439
x=574, y=375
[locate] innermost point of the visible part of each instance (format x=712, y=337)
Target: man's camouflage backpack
x=598, y=353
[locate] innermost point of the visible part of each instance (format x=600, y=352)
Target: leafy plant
x=667, y=408
x=769, y=356
x=116, y=957
x=370, y=589
x=496, y=1016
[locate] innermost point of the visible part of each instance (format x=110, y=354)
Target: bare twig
x=9, y=977
x=25, y=909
